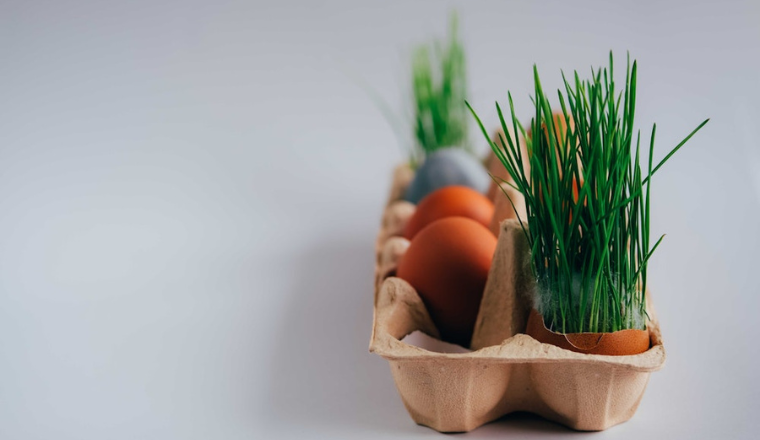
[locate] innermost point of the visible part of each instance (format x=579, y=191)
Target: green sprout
x=439, y=86
x=587, y=202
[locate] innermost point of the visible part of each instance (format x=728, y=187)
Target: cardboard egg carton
x=507, y=370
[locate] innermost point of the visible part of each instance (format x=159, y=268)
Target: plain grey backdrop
x=190, y=190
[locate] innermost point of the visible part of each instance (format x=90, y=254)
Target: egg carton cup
x=507, y=370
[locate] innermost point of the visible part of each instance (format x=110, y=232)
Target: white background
x=190, y=191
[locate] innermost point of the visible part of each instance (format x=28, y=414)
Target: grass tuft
x=439, y=86
x=587, y=197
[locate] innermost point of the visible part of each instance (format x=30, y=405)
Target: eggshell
x=449, y=201
x=447, y=262
x=448, y=166
x=618, y=343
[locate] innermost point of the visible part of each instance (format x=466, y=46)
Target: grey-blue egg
x=448, y=166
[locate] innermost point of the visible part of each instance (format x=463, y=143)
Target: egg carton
x=507, y=370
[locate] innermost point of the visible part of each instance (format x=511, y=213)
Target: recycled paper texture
x=507, y=370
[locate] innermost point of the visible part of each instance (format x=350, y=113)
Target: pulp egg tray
x=506, y=370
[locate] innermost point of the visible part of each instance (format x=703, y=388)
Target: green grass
x=439, y=86
x=590, y=244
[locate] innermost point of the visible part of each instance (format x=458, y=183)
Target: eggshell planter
x=622, y=342
x=507, y=370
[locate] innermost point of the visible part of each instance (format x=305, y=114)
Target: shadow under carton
x=507, y=371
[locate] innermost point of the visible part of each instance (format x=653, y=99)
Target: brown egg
x=449, y=201
x=447, y=263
